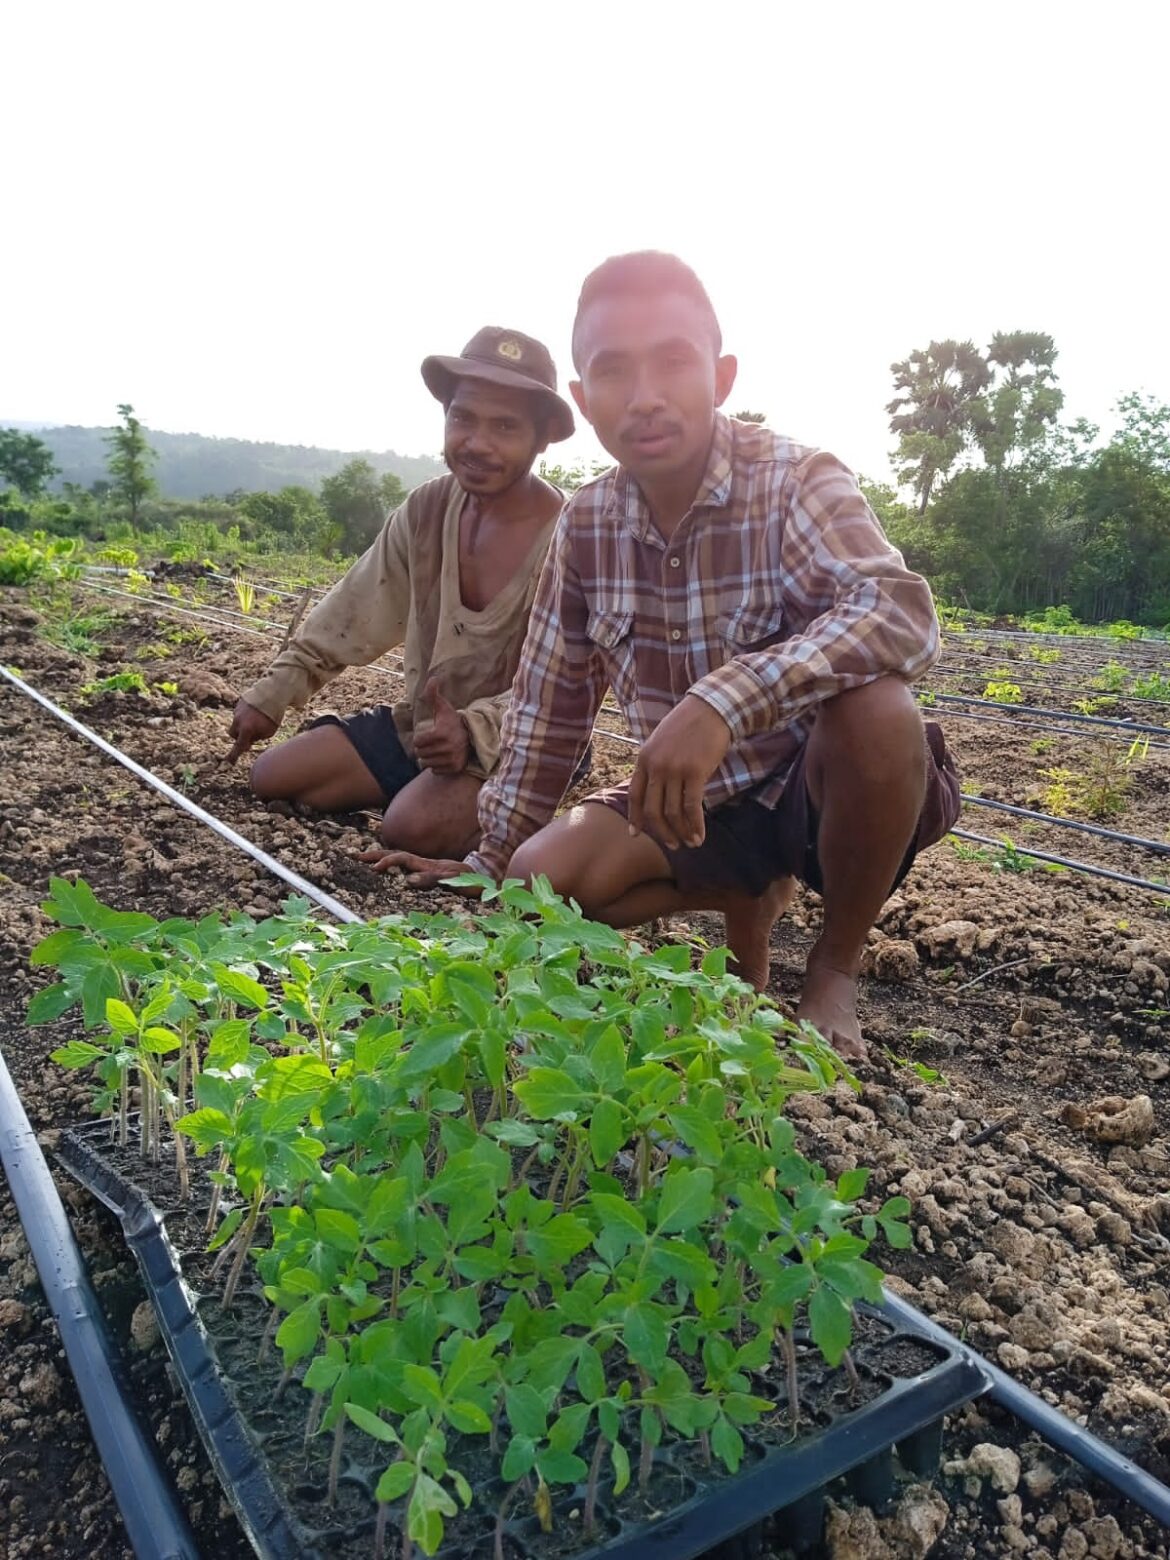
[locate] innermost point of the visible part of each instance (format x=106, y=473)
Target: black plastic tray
x=723, y=1518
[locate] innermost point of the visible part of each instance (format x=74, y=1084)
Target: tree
x=129, y=463
x=1021, y=404
x=294, y=512
x=25, y=461
x=357, y=500
x=931, y=413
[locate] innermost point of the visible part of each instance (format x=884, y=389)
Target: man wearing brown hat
x=450, y=578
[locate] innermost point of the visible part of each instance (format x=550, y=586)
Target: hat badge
x=511, y=350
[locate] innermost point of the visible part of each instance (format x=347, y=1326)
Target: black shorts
x=375, y=736
x=748, y=846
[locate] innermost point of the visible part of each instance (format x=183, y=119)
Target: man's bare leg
x=588, y=856
x=867, y=778
x=434, y=815
x=320, y=768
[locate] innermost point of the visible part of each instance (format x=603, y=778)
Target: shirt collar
x=714, y=490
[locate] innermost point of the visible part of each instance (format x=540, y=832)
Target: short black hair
x=645, y=273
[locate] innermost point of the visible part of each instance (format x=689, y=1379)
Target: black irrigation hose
x=1056, y=1428
x=926, y=701
x=1068, y=823
x=1085, y=1448
x=1084, y=867
x=1039, y=709
x=155, y=1524
x=294, y=880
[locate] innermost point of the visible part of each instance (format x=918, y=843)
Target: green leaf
x=607, y=1060
x=50, y=1002
x=831, y=1324
x=621, y=1466
x=338, y=1229
x=98, y=986
x=238, y=987
x=606, y=1131
x=590, y=1374
x=430, y=1053
x=208, y=1128
x=396, y=1480
x=686, y=1198
x=226, y=1230
x=616, y=1210
x=550, y=1094
x=53, y=948
x=429, y=1504
x=519, y=1458
x=77, y=1053
x=159, y=1041
x=527, y=1414
x=121, y=1018
x=468, y=1417
x=727, y=1444
x=421, y=1385
x=558, y=1242
x=557, y=1467
x=299, y=1331
x=851, y=1185
x=645, y=1336
x=697, y=1132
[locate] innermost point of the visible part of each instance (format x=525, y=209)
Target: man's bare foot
x=749, y=922
x=829, y=1003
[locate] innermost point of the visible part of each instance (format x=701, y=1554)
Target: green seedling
x=118, y=682
x=245, y=593
x=515, y=1180
x=1003, y=692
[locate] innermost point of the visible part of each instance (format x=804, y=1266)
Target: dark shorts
x=748, y=846
x=375, y=736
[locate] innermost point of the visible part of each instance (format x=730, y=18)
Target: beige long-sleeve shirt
x=404, y=590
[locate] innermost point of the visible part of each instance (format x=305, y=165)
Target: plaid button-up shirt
x=777, y=590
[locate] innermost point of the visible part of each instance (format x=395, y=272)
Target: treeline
x=190, y=465
x=1012, y=510
x=125, y=502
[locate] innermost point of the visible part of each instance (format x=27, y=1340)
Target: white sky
x=255, y=219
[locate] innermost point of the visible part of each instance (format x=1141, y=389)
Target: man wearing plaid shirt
x=736, y=592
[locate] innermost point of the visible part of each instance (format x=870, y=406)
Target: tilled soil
x=1036, y=996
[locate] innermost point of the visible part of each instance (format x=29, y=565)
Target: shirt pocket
x=754, y=626
x=611, y=630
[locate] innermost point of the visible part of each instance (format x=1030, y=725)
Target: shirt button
x=676, y=633
x=674, y=563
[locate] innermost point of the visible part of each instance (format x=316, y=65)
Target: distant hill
x=190, y=465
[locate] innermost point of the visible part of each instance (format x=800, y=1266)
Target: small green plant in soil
x=117, y=682
x=1113, y=677
x=1098, y=706
x=1044, y=657
x=245, y=593
x=510, y=1182
x=1154, y=686
x=1003, y=692
x=23, y=560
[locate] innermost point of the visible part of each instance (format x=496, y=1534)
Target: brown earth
x=1035, y=995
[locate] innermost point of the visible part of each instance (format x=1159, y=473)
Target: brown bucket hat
x=504, y=357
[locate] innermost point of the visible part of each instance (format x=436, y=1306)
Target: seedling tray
x=912, y=1381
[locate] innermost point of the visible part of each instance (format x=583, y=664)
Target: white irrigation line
x=334, y=907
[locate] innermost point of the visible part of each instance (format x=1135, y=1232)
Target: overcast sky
x=255, y=219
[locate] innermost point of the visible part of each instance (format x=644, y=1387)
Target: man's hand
x=249, y=725
x=674, y=765
x=421, y=871
x=443, y=745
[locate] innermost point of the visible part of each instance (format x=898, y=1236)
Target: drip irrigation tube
x=294, y=880
x=155, y=1524
x=1038, y=709
x=1064, y=1433
x=1068, y=823
x=1049, y=725
x=1073, y=866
